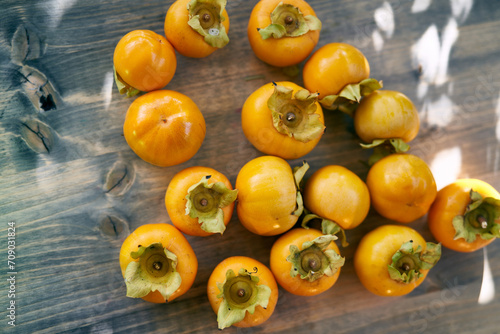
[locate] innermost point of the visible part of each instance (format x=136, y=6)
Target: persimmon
x=283, y=33
x=387, y=121
x=340, y=73
x=242, y=292
x=164, y=128
x=465, y=215
x=335, y=193
x=158, y=263
x=392, y=260
x=200, y=201
x=306, y=262
x=143, y=61
x=269, y=201
x=283, y=119
x=402, y=187
x=197, y=28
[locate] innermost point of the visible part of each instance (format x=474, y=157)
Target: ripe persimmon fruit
x=164, y=128
x=283, y=33
x=242, y=292
x=158, y=263
x=143, y=61
x=200, y=201
x=197, y=28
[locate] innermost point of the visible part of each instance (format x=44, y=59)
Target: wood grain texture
x=68, y=277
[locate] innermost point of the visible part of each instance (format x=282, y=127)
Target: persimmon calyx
x=407, y=261
x=123, y=87
x=479, y=219
x=295, y=116
x=298, y=175
x=385, y=147
x=327, y=227
x=314, y=260
x=205, y=17
x=288, y=21
x=205, y=202
x=155, y=270
x=240, y=294
x=348, y=98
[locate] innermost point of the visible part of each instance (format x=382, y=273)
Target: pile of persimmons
x=284, y=121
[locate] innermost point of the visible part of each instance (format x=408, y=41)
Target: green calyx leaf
x=385, y=147
x=288, y=21
x=123, y=87
x=349, y=97
x=205, y=202
x=298, y=175
x=327, y=227
x=407, y=261
x=273, y=30
x=431, y=255
x=314, y=260
x=155, y=270
x=240, y=294
x=479, y=219
x=205, y=17
x=295, y=116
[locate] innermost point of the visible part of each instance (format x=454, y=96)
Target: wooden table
x=70, y=219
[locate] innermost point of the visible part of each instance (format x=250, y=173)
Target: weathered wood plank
x=68, y=274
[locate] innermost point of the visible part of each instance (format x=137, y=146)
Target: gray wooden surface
x=60, y=163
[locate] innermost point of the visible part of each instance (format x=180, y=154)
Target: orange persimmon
x=283, y=33
x=143, y=61
x=197, y=28
x=392, y=260
x=158, y=263
x=269, y=202
x=306, y=262
x=200, y=201
x=465, y=215
x=242, y=292
x=402, y=187
x=337, y=194
x=164, y=128
x=334, y=66
x=280, y=124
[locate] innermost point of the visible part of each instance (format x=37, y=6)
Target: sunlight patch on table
x=378, y=40
x=446, y=166
x=439, y=112
x=461, y=9
x=55, y=10
x=430, y=55
x=487, y=292
x=384, y=18
x=420, y=6
x=107, y=89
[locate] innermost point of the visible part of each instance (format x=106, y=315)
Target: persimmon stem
x=206, y=17
x=288, y=20
x=240, y=291
x=314, y=260
x=204, y=202
x=483, y=222
x=314, y=265
x=155, y=271
x=311, y=261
